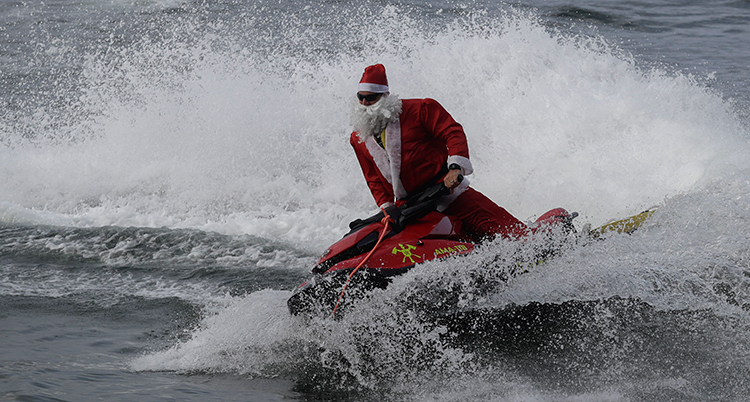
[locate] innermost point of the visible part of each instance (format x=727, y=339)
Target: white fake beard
x=368, y=120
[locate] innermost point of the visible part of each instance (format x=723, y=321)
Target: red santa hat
x=374, y=80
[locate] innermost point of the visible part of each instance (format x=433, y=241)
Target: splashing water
x=240, y=127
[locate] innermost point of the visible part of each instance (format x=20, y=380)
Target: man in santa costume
x=404, y=145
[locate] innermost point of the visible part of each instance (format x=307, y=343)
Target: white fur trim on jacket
x=389, y=164
x=393, y=146
x=387, y=205
x=379, y=157
x=464, y=162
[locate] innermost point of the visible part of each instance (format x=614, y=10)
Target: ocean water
x=170, y=171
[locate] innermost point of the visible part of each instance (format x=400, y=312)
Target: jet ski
x=389, y=244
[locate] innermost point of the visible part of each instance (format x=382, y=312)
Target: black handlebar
x=417, y=206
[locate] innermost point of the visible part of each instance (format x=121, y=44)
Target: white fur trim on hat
x=376, y=88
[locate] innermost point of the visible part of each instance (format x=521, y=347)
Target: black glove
x=395, y=217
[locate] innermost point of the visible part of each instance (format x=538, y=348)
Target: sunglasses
x=369, y=98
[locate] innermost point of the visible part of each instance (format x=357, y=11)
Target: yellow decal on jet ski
x=450, y=250
x=406, y=251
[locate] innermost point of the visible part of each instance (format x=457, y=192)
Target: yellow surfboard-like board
x=627, y=225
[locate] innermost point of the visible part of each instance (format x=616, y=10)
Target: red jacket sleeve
x=436, y=120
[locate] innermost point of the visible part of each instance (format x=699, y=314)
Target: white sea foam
x=243, y=336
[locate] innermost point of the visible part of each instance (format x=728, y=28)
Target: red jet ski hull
x=434, y=236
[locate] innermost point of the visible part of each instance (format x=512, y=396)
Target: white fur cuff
x=464, y=162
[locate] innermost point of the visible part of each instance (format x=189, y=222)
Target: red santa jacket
x=423, y=139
